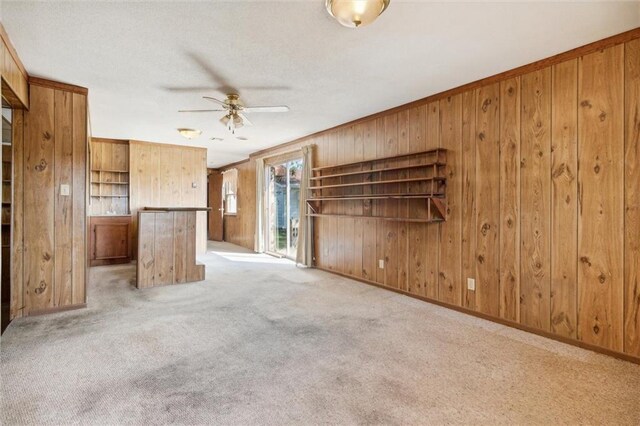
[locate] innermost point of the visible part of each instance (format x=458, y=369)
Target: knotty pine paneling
x=632, y=198
x=544, y=210
x=240, y=229
x=535, y=193
x=601, y=198
x=163, y=175
x=49, y=254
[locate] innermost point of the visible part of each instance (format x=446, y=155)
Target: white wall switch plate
x=64, y=189
x=194, y=184
x=471, y=284
x=381, y=263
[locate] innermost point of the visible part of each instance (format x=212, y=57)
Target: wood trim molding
x=58, y=85
x=37, y=312
x=533, y=66
x=107, y=140
x=556, y=337
x=12, y=51
x=135, y=142
x=232, y=165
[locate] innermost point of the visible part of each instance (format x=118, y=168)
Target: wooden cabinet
x=110, y=240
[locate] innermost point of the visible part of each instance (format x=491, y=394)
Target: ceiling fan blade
x=201, y=110
x=281, y=108
x=245, y=120
x=209, y=98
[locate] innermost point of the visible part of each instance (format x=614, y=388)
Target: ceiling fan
x=235, y=110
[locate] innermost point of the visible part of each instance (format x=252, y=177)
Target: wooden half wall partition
x=15, y=87
x=50, y=200
x=543, y=192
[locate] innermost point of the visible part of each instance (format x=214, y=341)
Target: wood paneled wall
x=240, y=228
x=543, y=199
x=49, y=241
x=13, y=73
x=163, y=175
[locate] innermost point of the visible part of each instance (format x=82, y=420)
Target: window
x=230, y=191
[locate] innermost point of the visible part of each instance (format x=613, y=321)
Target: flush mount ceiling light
x=190, y=133
x=356, y=13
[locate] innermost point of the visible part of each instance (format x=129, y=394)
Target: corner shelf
x=416, y=176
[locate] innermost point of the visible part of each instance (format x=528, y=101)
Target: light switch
x=471, y=284
x=194, y=184
x=64, y=189
x=381, y=263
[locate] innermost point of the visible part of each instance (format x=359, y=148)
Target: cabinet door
x=112, y=241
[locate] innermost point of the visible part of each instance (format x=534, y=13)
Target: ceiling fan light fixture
x=356, y=13
x=190, y=133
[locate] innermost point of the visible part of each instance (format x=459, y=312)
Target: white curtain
x=230, y=190
x=258, y=244
x=304, y=256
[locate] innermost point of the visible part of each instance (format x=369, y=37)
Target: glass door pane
x=295, y=174
x=277, y=208
x=283, y=207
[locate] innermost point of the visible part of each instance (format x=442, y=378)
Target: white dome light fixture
x=356, y=13
x=190, y=133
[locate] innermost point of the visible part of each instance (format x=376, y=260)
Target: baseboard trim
x=615, y=354
x=37, y=312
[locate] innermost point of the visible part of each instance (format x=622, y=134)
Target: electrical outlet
x=64, y=189
x=471, y=284
x=381, y=263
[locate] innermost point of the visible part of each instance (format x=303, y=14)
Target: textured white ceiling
x=142, y=61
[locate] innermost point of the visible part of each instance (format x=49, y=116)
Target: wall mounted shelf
x=396, y=180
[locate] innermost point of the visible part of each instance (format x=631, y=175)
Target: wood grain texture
x=488, y=200
x=79, y=195
x=510, y=199
x=39, y=200
x=63, y=204
x=600, y=177
x=469, y=216
x=432, y=237
x=632, y=199
x=163, y=175
x=418, y=231
x=450, y=280
x=564, y=199
x=535, y=303
x=17, y=218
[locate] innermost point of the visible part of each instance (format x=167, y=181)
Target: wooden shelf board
x=436, y=151
x=110, y=196
x=386, y=169
x=391, y=219
x=377, y=197
x=380, y=182
x=110, y=171
x=110, y=183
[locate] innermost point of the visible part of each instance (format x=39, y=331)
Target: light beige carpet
x=264, y=342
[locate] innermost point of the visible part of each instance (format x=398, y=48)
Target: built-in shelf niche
x=109, y=191
x=408, y=188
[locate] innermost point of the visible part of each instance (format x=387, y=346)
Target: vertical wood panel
x=391, y=260
x=79, y=201
x=535, y=304
x=17, y=227
x=450, y=281
x=468, y=236
x=418, y=231
x=600, y=177
x=632, y=199
x=63, y=205
x=564, y=201
x=404, y=147
x=510, y=199
x=432, y=237
x=180, y=246
x=369, y=253
x=487, y=297
x=163, y=248
x=39, y=200
x=146, y=255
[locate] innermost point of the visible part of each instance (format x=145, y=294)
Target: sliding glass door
x=283, y=207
